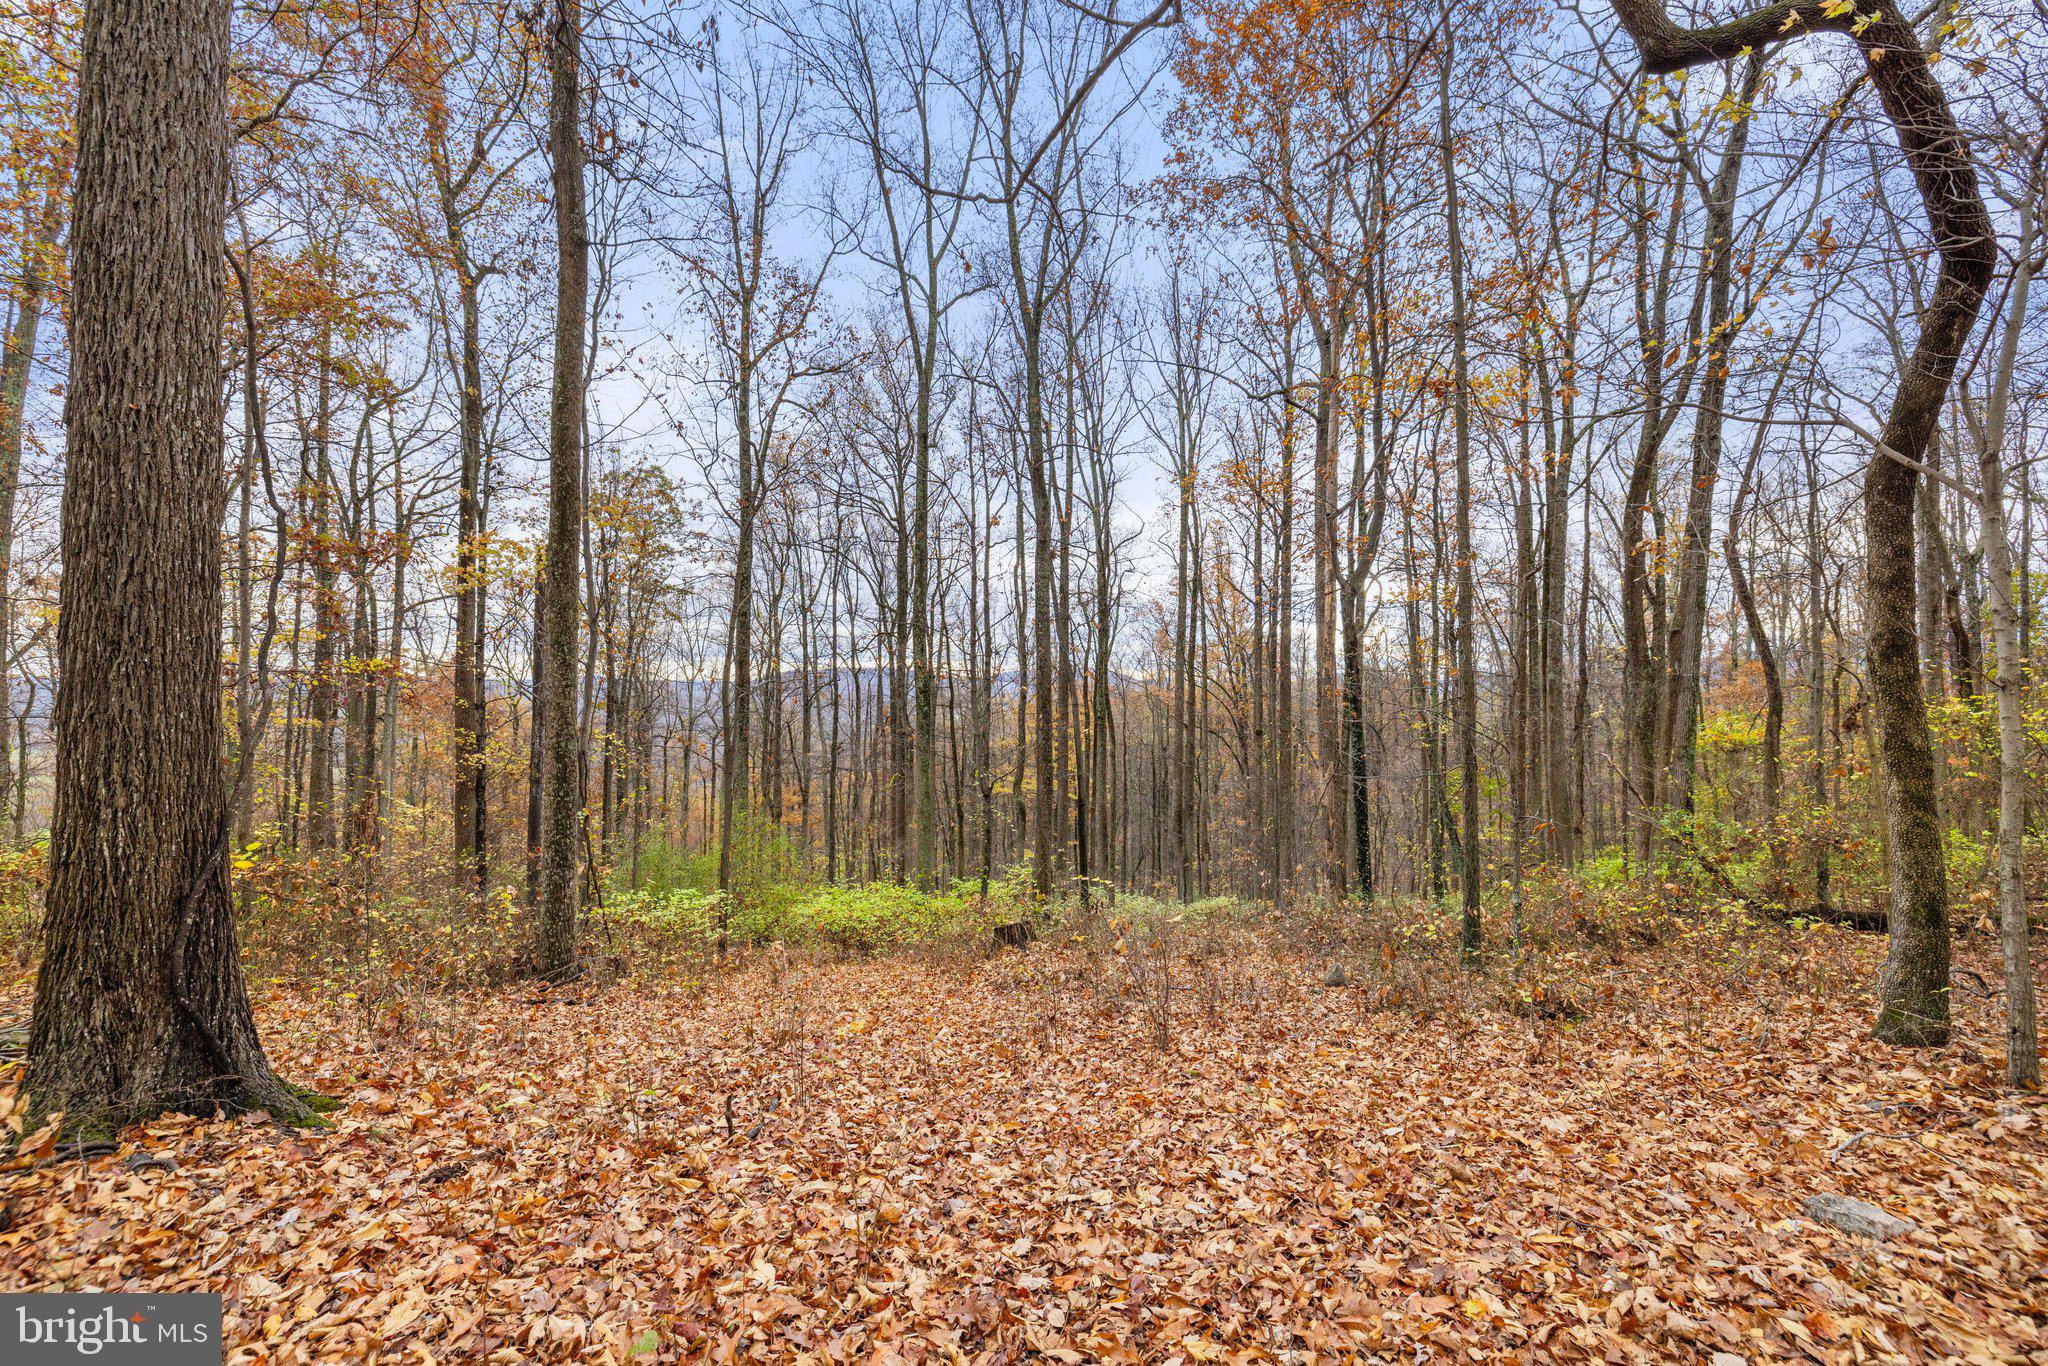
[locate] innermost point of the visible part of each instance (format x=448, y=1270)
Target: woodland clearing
x=1020, y=1157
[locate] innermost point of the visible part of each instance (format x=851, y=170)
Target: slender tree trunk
x=1682, y=659
x=1470, y=933
x=1642, y=646
x=2022, y=1040
x=31, y=289
x=394, y=664
x=469, y=728
x=1816, y=673
x=1774, y=688
x=561, y=788
x=923, y=702
x=739, y=681
x=327, y=622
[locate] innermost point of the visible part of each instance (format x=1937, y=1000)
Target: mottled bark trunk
x=561, y=797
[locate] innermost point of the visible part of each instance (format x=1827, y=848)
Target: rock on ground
x=1855, y=1216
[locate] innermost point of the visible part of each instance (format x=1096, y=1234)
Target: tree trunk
x=561, y=797
x=1816, y=674
x=469, y=736
x=2022, y=1040
x=324, y=690
x=1470, y=938
x=38, y=257
x=1682, y=661
x=140, y=1004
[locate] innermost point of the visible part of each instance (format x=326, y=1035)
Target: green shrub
x=1014, y=889
x=23, y=873
x=870, y=918
x=883, y=915
x=674, y=910
x=1607, y=869
x=1970, y=860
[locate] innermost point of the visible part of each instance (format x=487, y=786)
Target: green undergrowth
x=866, y=919
x=677, y=906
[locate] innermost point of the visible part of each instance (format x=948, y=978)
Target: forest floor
x=1023, y=1157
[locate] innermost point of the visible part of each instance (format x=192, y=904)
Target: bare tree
x=1915, y=987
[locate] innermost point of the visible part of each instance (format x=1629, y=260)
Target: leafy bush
x=766, y=867
x=681, y=911
x=1971, y=860
x=1015, y=888
x=1607, y=869
x=875, y=917
x=23, y=873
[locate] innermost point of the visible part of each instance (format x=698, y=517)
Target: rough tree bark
x=140, y=1004
x=561, y=800
x=1914, y=989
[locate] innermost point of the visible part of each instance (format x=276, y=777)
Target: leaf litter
x=916, y=1161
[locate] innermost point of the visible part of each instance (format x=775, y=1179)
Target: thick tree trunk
x=140, y=1004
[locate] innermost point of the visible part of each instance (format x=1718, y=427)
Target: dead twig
x=1853, y=1139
